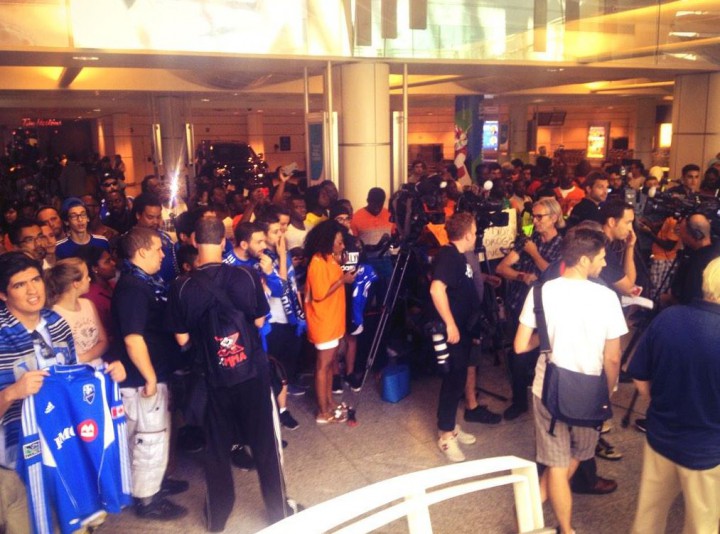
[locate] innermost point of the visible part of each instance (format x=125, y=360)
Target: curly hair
x=321, y=238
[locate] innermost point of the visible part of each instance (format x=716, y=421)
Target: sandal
x=324, y=419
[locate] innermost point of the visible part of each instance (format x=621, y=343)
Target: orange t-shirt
x=568, y=198
x=369, y=228
x=326, y=316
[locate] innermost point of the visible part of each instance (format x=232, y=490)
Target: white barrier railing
x=415, y=493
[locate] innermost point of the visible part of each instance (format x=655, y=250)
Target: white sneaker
x=463, y=437
x=450, y=448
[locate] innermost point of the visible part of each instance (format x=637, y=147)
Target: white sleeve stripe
x=124, y=458
x=39, y=506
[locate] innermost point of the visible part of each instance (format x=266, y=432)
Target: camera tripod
x=387, y=308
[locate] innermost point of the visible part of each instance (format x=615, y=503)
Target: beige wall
x=435, y=125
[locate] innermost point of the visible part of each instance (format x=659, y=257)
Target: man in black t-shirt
x=247, y=405
x=148, y=353
x=596, y=192
x=617, y=218
x=454, y=297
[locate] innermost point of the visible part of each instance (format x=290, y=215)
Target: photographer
x=694, y=232
x=454, y=298
x=521, y=267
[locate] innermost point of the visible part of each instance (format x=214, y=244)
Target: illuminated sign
x=40, y=123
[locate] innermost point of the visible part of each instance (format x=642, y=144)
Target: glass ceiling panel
x=643, y=32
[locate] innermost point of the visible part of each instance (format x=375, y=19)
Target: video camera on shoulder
x=487, y=212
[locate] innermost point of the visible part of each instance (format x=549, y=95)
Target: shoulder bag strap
x=540, y=319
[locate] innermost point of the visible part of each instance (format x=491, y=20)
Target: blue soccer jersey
x=74, y=454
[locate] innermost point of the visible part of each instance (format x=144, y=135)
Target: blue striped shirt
x=16, y=344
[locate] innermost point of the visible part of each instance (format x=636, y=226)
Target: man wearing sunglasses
x=74, y=214
x=521, y=267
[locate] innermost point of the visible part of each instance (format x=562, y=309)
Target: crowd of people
x=216, y=300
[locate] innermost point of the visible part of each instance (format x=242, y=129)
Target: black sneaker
x=172, y=486
x=160, y=510
x=288, y=421
x=482, y=415
x=337, y=385
x=641, y=425
x=241, y=459
x=355, y=382
x=514, y=411
x=191, y=439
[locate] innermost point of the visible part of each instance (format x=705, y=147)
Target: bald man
x=694, y=232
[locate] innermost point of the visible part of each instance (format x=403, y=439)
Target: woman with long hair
x=66, y=281
x=325, y=310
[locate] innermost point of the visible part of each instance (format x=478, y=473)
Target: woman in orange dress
x=325, y=310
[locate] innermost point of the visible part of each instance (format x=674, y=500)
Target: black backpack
x=228, y=351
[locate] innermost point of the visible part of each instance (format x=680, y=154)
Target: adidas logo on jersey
x=49, y=408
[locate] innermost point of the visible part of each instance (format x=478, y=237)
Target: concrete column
x=645, y=130
x=172, y=113
x=695, y=120
x=518, y=132
x=364, y=130
x=122, y=144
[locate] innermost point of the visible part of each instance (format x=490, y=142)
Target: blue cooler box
x=395, y=383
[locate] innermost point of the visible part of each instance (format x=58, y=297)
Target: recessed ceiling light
x=204, y=100
x=96, y=110
x=86, y=58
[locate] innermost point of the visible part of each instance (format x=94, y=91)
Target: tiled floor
x=392, y=439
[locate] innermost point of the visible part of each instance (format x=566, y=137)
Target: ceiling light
x=86, y=58
x=96, y=110
x=204, y=100
x=689, y=35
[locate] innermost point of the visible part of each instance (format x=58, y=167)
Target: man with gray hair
x=677, y=366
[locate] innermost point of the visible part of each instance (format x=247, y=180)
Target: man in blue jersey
x=147, y=210
x=249, y=248
x=32, y=338
x=75, y=216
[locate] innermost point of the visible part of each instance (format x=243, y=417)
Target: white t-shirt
x=294, y=237
x=580, y=315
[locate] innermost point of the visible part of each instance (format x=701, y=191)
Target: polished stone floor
x=322, y=462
